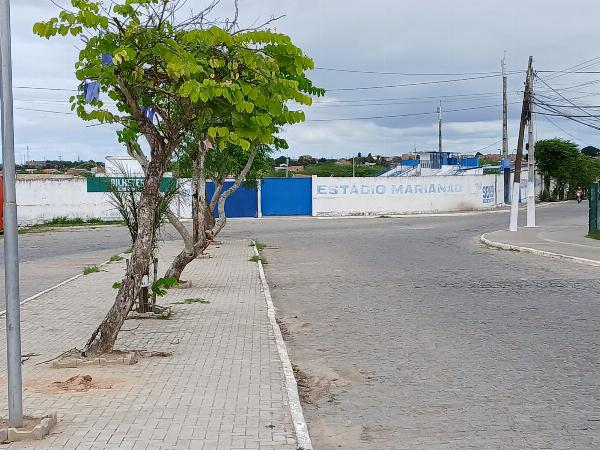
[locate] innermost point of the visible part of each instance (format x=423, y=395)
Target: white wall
x=403, y=195
x=40, y=200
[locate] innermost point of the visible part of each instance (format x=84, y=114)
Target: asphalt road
x=49, y=257
x=408, y=333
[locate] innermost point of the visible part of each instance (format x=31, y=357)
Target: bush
x=545, y=196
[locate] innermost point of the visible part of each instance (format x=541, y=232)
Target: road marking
x=62, y=283
x=300, y=426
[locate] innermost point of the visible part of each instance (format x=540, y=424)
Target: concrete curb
x=56, y=286
x=533, y=251
x=300, y=426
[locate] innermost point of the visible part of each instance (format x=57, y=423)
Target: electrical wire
x=420, y=83
x=416, y=74
x=402, y=115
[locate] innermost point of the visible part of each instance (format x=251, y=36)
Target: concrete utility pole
x=439, y=111
x=516, y=188
x=506, y=170
x=287, y=166
x=353, y=171
x=531, y=167
x=11, y=243
x=504, y=109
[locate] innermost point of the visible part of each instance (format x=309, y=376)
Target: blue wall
x=242, y=203
x=286, y=196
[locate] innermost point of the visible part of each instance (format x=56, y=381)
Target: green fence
x=594, y=199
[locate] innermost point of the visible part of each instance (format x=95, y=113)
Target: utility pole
x=531, y=166
x=506, y=164
x=516, y=187
x=353, y=171
x=504, y=109
x=11, y=243
x=439, y=111
x=287, y=166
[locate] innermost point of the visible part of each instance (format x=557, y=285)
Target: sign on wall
x=125, y=184
x=402, y=195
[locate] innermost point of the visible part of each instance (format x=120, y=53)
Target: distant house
x=289, y=168
x=370, y=164
x=50, y=171
x=73, y=171
x=343, y=162
x=98, y=170
x=35, y=164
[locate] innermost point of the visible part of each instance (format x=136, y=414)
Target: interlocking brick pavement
x=222, y=388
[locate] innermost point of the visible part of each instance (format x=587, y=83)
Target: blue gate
x=242, y=203
x=286, y=196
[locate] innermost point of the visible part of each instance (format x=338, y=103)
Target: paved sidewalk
x=222, y=388
x=559, y=241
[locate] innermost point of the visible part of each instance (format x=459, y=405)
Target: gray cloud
x=381, y=35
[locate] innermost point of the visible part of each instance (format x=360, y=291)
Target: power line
x=45, y=111
x=416, y=74
x=559, y=127
x=43, y=88
x=563, y=97
x=402, y=115
x=420, y=83
x=488, y=146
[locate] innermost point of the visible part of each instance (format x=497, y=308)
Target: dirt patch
x=60, y=381
x=321, y=382
x=292, y=325
x=79, y=383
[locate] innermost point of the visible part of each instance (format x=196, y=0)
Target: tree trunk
x=104, y=337
x=187, y=255
x=238, y=182
x=547, y=183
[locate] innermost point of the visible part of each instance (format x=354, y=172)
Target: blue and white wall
x=41, y=200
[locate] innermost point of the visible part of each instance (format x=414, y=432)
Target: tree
x=591, y=151
x=560, y=160
x=270, y=72
x=280, y=160
x=167, y=79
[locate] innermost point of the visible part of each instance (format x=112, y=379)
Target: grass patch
x=115, y=258
x=63, y=222
x=128, y=249
x=260, y=245
x=594, y=235
x=192, y=301
x=257, y=258
x=90, y=269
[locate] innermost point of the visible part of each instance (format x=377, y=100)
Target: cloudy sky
x=397, y=42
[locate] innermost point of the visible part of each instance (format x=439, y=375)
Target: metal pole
x=353, y=167
x=11, y=243
x=287, y=166
x=439, y=110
